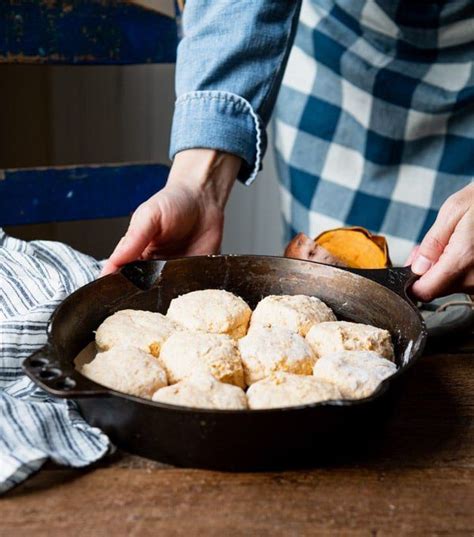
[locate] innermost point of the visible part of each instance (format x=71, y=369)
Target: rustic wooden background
x=74, y=115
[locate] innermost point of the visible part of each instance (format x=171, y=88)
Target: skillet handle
x=144, y=274
x=68, y=383
x=397, y=279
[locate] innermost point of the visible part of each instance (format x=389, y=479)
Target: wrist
x=208, y=172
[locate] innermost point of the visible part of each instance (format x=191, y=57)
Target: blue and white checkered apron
x=34, y=427
x=374, y=123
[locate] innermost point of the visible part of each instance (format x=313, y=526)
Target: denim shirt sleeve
x=229, y=69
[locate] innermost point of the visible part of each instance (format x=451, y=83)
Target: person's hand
x=187, y=216
x=445, y=257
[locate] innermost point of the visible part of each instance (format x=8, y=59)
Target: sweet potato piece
x=345, y=247
x=356, y=247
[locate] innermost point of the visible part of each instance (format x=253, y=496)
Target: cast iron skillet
x=230, y=440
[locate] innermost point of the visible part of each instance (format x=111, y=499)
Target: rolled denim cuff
x=223, y=121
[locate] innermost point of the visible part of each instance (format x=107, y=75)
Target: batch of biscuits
x=211, y=350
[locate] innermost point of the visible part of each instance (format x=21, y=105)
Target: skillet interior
x=152, y=285
x=227, y=439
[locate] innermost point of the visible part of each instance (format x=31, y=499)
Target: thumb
x=144, y=225
x=435, y=241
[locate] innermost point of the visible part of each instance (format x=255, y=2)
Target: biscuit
x=203, y=391
x=293, y=312
x=187, y=353
x=146, y=330
x=285, y=389
x=266, y=350
x=357, y=374
x=211, y=310
x=128, y=370
x=329, y=337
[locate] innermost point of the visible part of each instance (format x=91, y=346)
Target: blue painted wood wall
x=81, y=32
x=85, y=32
x=32, y=196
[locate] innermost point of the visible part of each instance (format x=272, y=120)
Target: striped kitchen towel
x=34, y=427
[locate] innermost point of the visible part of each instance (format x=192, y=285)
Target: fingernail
x=421, y=265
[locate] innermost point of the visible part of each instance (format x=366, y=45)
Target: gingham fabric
x=34, y=278
x=375, y=119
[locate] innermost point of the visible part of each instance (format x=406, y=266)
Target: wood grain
x=185, y=502
x=419, y=481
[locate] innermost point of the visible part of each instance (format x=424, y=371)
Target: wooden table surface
x=421, y=482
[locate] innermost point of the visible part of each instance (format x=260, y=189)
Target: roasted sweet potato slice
x=350, y=247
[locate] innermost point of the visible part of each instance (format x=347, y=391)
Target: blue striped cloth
x=375, y=117
x=34, y=427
